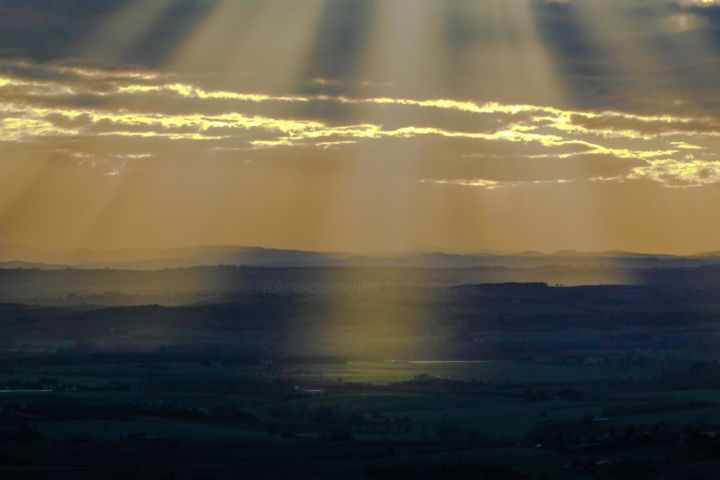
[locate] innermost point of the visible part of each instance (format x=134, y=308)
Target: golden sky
x=361, y=125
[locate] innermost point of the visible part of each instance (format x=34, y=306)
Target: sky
x=361, y=125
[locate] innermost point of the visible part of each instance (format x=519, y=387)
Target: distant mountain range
x=19, y=257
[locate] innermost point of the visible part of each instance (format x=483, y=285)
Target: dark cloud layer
x=49, y=30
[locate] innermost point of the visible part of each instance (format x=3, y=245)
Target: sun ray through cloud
x=420, y=103
x=119, y=35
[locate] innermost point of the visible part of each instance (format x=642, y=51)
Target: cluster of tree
x=465, y=470
x=353, y=420
x=657, y=407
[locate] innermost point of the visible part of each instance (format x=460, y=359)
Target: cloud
x=496, y=184
x=698, y=3
x=691, y=174
x=681, y=3
x=39, y=103
x=684, y=22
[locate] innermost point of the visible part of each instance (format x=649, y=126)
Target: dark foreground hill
x=395, y=379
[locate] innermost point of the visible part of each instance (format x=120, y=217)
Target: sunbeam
x=359, y=239
x=268, y=41
x=497, y=52
x=422, y=117
x=120, y=35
